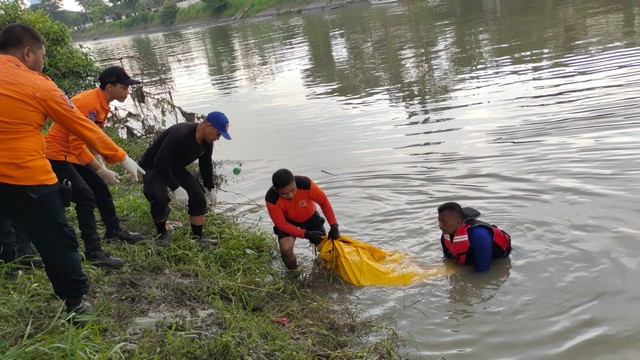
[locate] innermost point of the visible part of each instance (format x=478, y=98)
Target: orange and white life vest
x=458, y=245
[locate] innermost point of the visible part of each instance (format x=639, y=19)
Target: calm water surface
x=526, y=110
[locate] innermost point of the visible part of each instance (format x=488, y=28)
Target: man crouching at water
x=165, y=163
x=469, y=241
x=291, y=203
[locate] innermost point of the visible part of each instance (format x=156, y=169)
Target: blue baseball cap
x=220, y=122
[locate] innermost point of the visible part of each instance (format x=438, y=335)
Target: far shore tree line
x=126, y=13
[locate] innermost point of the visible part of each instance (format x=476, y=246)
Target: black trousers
x=83, y=197
x=14, y=243
x=102, y=195
x=7, y=242
x=155, y=189
x=39, y=212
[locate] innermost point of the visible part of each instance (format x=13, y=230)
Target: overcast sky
x=70, y=5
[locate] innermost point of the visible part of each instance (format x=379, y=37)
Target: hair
x=19, y=36
x=454, y=207
x=282, y=178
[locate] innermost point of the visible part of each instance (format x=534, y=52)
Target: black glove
x=334, y=233
x=314, y=236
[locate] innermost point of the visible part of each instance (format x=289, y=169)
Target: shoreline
x=287, y=9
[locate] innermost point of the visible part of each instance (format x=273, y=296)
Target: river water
x=525, y=110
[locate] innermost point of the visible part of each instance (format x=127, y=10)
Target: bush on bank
x=70, y=67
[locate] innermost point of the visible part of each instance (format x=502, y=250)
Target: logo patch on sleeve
x=68, y=101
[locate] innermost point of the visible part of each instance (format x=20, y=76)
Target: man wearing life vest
x=291, y=204
x=469, y=241
x=29, y=189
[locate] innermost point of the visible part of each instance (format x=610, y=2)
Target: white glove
x=99, y=159
x=109, y=177
x=181, y=197
x=212, y=198
x=132, y=167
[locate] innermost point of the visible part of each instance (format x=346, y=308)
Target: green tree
x=49, y=6
x=216, y=6
x=95, y=10
x=70, y=67
x=169, y=13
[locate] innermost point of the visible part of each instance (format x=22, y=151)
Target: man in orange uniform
x=291, y=203
x=72, y=160
x=29, y=189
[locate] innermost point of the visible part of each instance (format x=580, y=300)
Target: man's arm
x=480, y=239
x=205, y=163
x=279, y=220
x=318, y=196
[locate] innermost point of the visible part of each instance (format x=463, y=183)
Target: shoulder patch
x=272, y=196
x=92, y=116
x=303, y=182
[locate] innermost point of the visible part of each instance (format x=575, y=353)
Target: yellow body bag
x=362, y=264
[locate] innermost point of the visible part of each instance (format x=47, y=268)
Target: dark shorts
x=314, y=223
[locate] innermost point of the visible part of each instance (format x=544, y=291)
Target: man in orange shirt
x=71, y=159
x=29, y=189
x=291, y=204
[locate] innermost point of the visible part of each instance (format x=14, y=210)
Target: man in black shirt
x=165, y=164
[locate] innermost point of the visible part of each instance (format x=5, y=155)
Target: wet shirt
x=27, y=98
x=64, y=146
x=298, y=209
x=175, y=148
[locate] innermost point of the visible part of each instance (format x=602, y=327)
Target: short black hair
x=282, y=178
x=19, y=36
x=454, y=207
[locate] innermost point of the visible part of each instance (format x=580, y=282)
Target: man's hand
x=109, y=177
x=212, y=198
x=334, y=233
x=180, y=196
x=132, y=167
x=314, y=236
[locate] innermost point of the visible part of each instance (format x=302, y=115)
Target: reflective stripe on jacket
x=459, y=245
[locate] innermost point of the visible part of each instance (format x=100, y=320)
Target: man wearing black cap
x=72, y=160
x=165, y=164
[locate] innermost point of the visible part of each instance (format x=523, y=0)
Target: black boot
x=163, y=239
x=203, y=240
x=104, y=259
x=124, y=235
x=78, y=311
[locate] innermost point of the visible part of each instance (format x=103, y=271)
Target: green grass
x=186, y=301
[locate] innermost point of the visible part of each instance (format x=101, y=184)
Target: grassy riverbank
x=199, y=15
x=187, y=301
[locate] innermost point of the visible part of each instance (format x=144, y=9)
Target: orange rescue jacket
x=300, y=208
x=27, y=98
x=64, y=146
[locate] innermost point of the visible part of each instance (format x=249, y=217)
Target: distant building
x=187, y=3
x=34, y=2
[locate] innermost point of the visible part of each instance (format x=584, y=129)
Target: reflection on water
x=525, y=110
